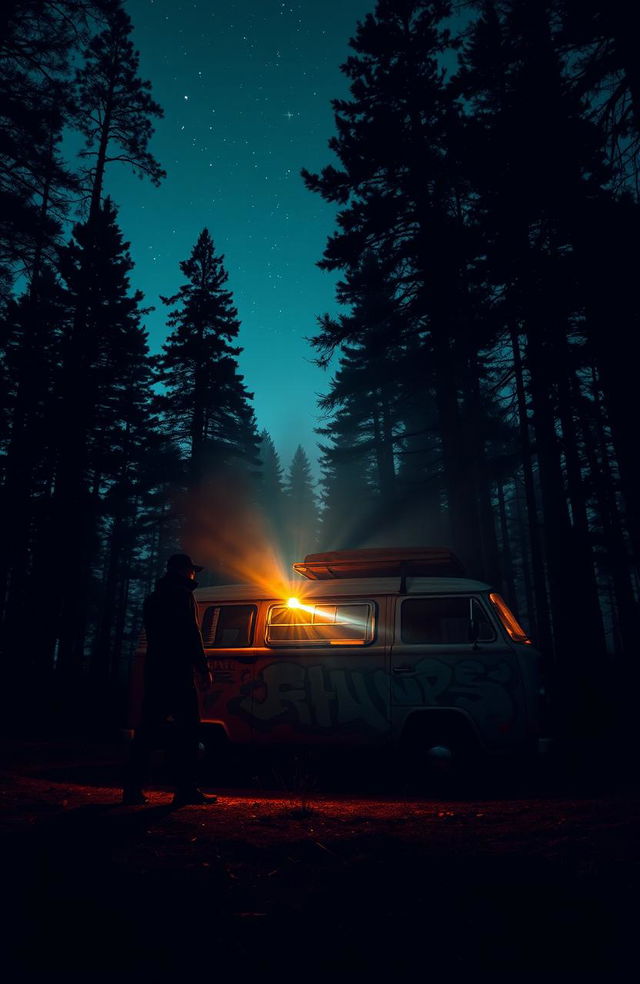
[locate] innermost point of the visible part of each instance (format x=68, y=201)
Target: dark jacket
x=174, y=641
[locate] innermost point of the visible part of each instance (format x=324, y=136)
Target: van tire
x=440, y=750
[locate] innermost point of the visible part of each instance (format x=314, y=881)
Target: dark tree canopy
x=483, y=164
x=115, y=106
x=37, y=42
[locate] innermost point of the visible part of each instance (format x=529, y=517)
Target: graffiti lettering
x=320, y=699
x=285, y=695
x=314, y=697
x=468, y=684
x=481, y=692
x=432, y=678
x=354, y=703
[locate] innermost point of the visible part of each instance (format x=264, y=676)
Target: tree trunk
x=462, y=505
x=619, y=561
x=575, y=485
x=524, y=536
x=577, y=628
x=506, y=553
x=540, y=614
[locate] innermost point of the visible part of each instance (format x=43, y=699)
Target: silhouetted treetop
x=206, y=402
x=115, y=106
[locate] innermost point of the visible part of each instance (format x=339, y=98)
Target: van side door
x=448, y=652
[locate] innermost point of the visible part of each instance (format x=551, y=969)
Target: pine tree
x=125, y=435
x=368, y=376
x=532, y=125
x=271, y=489
x=72, y=417
x=599, y=40
x=38, y=42
x=115, y=107
x=422, y=514
x=349, y=498
x=404, y=195
x=34, y=326
x=206, y=406
x=476, y=211
x=302, y=512
x=101, y=431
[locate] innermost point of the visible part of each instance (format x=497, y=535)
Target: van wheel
x=441, y=758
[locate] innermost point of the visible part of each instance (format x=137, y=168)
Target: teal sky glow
x=246, y=87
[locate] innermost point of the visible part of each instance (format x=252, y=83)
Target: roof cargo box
x=381, y=562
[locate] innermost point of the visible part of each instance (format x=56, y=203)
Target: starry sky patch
x=246, y=87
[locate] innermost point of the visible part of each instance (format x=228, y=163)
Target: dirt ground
x=299, y=876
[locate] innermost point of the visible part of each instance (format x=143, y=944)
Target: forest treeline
x=479, y=377
x=111, y=458
x=487, y=243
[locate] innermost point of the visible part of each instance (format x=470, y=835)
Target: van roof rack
x=381, y=562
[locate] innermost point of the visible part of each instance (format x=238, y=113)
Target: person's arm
x=198, y=655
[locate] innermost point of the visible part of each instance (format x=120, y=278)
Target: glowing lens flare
x=293, y=603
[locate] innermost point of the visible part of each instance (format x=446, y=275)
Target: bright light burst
x=230, y=535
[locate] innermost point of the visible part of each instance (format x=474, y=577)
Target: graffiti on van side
x=316, y=698
x=312, y=697
x=483, y=690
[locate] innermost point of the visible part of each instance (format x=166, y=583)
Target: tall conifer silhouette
x=302, y=511
x=38, y=44
x=404, y=197
x=100, y=433
x=271, y=488
x=206, y=405
x=115, y=106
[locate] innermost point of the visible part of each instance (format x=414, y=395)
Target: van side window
x=228, y=626
x=326, y=624
x=443, y=620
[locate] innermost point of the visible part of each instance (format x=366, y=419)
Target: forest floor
x=306, y=879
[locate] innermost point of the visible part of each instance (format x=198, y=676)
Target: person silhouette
x=170, y=700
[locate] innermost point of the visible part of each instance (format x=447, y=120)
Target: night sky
x=246, y=87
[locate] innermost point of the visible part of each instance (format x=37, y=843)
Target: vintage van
x=388, y=648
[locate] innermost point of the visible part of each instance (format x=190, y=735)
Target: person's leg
x=185, y=750
x=185, y=739
x=142, y=744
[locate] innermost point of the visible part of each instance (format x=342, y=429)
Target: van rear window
x=326, y=624
x=229, y=626
x=443, y=620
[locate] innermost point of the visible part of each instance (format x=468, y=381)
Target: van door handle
x=403, y=669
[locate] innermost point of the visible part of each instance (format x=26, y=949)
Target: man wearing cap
x=174, y=652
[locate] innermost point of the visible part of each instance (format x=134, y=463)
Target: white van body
x=419, y=661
